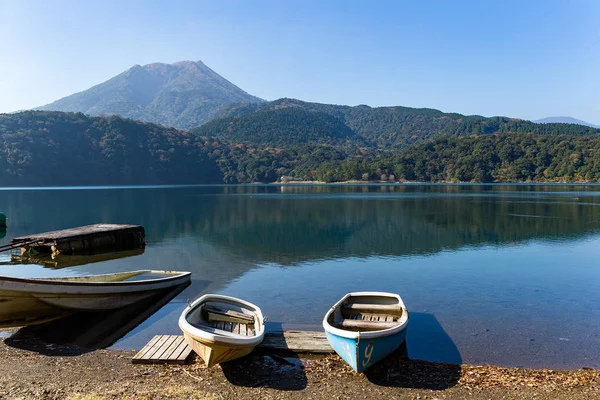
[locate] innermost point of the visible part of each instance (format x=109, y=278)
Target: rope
x=8, y=247
x=192, y=376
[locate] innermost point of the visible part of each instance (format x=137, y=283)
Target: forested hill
x=396, y=127
x=512, y=157
x=42, y=148
x=281, y=127
x=54, y=148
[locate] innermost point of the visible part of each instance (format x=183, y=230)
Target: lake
x=491, y=274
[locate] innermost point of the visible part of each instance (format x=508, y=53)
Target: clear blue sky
x=526, y=58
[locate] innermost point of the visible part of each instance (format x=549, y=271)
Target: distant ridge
x=290, y=121
x=564, y=120
x=182, y=95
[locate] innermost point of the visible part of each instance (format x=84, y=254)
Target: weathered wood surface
x=374, y=308
x=365, y=325
x=164, y=349
x=297, y=342
x=233, y=316
x=77, y=232
x=174, y=350
x=83, y=239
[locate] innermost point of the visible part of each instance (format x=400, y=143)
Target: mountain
x=564, y=120
x=182, y=95
x=383, y=127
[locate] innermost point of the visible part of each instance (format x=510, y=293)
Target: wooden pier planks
x=84, y=239
x=297, y=342
x=76, y=232
x=173, y=349
x=164, y=349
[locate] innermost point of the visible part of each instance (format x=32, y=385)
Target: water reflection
x=91, y=330
x=64, y=260
x=493, y=263
x=292, y=224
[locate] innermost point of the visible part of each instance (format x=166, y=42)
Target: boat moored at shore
x=222, y=328
x=365, y=327
x=31, y=298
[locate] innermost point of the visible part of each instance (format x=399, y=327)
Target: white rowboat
x=30, y=298
x=222, y=328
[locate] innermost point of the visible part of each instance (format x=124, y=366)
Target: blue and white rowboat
x=365, y=327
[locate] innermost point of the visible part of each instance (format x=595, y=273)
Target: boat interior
x=367, y=313
x=224, y=319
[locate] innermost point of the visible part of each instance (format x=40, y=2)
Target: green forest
x=382, y=127
x=44, y=148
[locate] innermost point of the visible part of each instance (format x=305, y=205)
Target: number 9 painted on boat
x=368, y=354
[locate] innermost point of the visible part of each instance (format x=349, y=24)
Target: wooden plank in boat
x=297, y=342
x=366, y=325
x=243, y=329
x=226, y=318
x=374, y=308
x=228, y=313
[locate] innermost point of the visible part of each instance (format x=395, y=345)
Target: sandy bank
x=41, y=371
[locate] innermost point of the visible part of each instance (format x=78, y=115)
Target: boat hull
x=216, y=347
x=216, y=353
x=365, y=327
x=27, y=297
x=361, y=354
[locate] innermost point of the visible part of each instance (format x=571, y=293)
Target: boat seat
x=226, y=329
x=360, y=325
x=395, y=309
x=370, y=317
x=215, y=313
x=233, y=327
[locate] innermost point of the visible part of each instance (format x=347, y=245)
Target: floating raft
x=83, y=239
x=170, y=349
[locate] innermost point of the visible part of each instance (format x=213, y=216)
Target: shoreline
x=421, y=183
x=299, y=183
x=37, y=370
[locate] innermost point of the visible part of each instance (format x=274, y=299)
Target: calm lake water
x=491, y=274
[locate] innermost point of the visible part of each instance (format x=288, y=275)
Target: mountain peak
x=183, y=94
x=186, y=63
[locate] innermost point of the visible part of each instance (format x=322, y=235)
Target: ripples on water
x=500, y=274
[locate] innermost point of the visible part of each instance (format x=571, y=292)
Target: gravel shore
x=55, y=372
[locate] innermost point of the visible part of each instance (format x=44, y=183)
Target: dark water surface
x=499, y=274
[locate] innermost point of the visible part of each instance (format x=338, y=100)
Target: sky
x=526, y=59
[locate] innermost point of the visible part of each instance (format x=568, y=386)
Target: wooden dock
x=170, y=349
x=297, y=342
x=83, y=239
x=164, y=349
